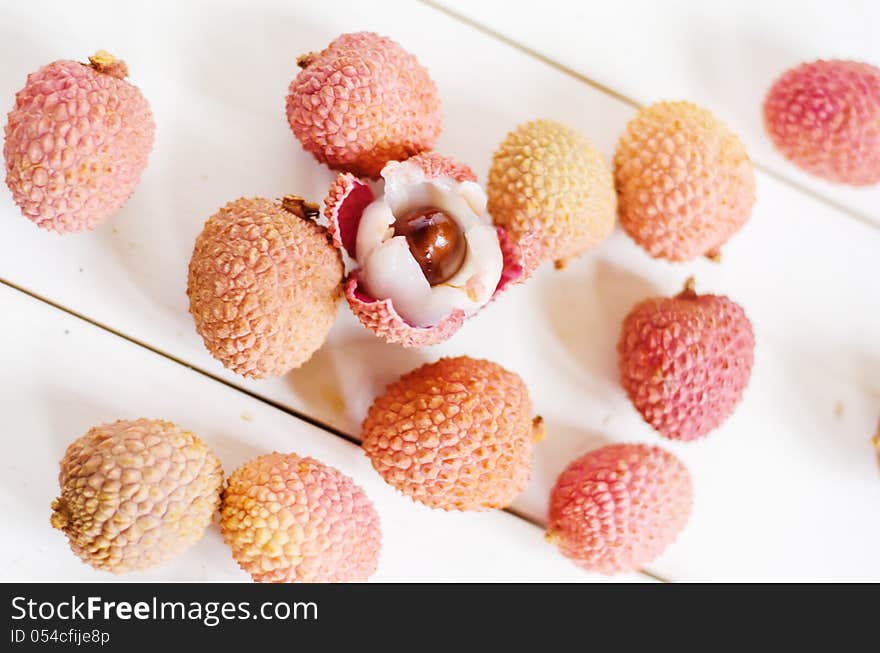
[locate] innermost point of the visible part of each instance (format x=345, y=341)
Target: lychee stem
x=59, y=518
x=300, y=207
x=305, y=60
x=538, y=429
x=560, y=264
x=106, y=64
x=876, y=439
x=690, y=289
x=714, y=255
x=551, y=537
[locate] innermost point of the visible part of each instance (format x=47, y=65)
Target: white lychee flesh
x=390, y=271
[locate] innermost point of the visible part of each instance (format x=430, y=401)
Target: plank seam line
x=852, y=214
x=249, y=393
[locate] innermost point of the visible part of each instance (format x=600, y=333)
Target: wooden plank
x=61, y=375
x=723, y=55
x=775, y=485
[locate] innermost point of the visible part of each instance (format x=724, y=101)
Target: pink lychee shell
x=346, y=200
x=294, y=519
x=362, y=102
x=685, y=183
x=685, y=361
x=825, y=117
x=77, y=141
x=617, y=508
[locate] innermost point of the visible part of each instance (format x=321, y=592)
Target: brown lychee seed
x=435, y=240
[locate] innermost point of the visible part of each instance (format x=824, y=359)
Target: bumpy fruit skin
x=456, y=434
x=547, y=178
x=362, y=102
x=291, y=519
x=619, y=507
x=685, y=183
x=264, y=283
x=136, y=494
x=825, y=117
x=685, y=361
x=77, y=141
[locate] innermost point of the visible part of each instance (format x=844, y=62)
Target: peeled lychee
x=825, y=117
x=456, y=434
x=619, y=507
x=425, y=250
x=264, y=283
x=291, y=519
x=77, y=142
x=135, y=494
x=362, y=102
x=548, y=179
x=685, y=183
x=685, y=361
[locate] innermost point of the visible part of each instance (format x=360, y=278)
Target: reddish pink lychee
x=77, y=142
x=825, y=118
x=685, y=361
x=362, y=102
x=619, y=507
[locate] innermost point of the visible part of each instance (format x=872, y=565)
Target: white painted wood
x=723, y=55
x=786, y=489
x=61, y=375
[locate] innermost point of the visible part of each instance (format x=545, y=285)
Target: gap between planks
x=852, y=214
x=250, y=393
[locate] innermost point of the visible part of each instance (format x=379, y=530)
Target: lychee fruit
x=685, y=183
x=824, y=117
x=425, y=250
x=548, y=179
x=456, y=434
x=685, y=361
x=617, y=508
x=77, y=141
x=264, y=284
x=292, y=519
x=136, y=494
x=361, y=102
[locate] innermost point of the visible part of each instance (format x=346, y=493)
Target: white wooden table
x=95, y=326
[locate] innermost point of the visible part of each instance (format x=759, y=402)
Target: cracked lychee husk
x=824, y=117
x=617, y=508
x=685, y=183
x=685, y=361
x=291, y=519
x=547, y=178
x=456, y=434
x=362, y=102
x=264, y=285
x=77, y=141
x=425, y=252
x=136, y=494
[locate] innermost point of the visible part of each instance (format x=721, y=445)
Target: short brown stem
x=300, y=207
x=106, y=64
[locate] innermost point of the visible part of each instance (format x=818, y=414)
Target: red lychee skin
x=77, y=142
x=345, y=202
x=456, y=434
x=293, y=519
x=825, y=118
x=685, y=361
x=619, y=507
x=362, y=102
